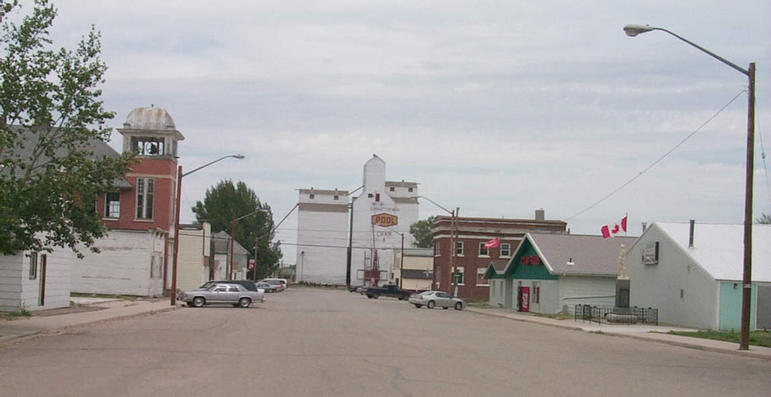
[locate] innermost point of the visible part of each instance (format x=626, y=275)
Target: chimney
x=644, y=226
x=690, y=234
x=540, y=214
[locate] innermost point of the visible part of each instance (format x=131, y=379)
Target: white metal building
x=323, y=225
x=693, y=274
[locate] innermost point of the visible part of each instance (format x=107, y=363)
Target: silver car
x=232, y=293
x=431, y=299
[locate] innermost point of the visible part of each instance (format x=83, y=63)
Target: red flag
x=609, y=231
x=492, y=243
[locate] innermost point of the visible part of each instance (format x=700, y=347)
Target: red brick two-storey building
x=471, y=258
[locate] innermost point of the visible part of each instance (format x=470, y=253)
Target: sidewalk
x=94, y=311
x=651, y=333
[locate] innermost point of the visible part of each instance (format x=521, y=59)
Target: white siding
x=18, y=291
x=595, y=291
x=123, y=266
x=10, y=281
x=659, y=286
x=322, y=246
x=193, y=258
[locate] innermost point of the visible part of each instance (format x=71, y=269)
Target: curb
x=14, y=339
x=743, y=353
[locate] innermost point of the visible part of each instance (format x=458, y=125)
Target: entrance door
x=43, y=266
x=524, y=305
x=535, y=298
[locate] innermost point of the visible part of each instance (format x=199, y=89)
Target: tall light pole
x=232, y=243
x=173, y=292
x=744, y=342
x=453, y=237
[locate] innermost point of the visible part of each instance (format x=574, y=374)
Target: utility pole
x=230, y=257
x=454, y=249
x=350, y=246
x=401, y=264
x=254, y=271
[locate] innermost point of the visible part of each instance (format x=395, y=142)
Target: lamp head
x=634, y=30
x=238, y=156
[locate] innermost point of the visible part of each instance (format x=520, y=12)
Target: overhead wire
x=658, y=160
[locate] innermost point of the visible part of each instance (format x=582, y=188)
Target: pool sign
x=385, y=220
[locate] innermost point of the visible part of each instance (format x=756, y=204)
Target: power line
x=653, y=164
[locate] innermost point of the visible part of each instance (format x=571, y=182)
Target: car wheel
x=431, y=304
x=458, y=306
x=199, y=301
x=418, y=306
x=244, y=302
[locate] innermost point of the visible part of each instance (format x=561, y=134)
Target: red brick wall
x=163, y=172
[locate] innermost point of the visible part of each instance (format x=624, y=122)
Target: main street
x=330, y=342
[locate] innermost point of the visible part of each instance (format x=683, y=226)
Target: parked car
x=267, y=287
x=248, y=284
x=283, y=281
x=387, y=290
x=354, y=288
x=232, y=293
x=431, y=299
x=276, y=283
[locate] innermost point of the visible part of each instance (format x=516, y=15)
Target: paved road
x=321, y=342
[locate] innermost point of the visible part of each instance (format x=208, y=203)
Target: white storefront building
x=382, y=212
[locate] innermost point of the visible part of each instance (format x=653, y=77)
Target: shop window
x=505, y=249
x=483, y=251
x=145, y=189
x=32, y=265
x=481, y=280
x=112, y=205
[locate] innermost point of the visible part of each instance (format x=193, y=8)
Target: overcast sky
x=496, y=107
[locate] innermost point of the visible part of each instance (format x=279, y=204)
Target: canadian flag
x=610, y=231
x=496, y=242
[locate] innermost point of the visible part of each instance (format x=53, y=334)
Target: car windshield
x=206, y=285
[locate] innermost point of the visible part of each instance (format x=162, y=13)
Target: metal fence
x=610, y=314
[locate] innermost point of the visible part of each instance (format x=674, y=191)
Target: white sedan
x=431, y=299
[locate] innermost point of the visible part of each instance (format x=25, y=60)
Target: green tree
x=51, y=119
x=421, y=231
x=226, y=201
x=764, y=219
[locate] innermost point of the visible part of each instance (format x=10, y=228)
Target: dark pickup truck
x=387, y=290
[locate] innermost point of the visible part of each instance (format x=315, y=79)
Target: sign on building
x=385, y=220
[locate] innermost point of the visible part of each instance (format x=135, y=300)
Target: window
x=457, y=277
x=234, y=288
x=391, y=189
x=221, y=289
x=505, y=249
x=437, y=249
x=336, y=197
x=32, y=265
x=148, y=146
x=377, y=196
x=459, y=248
x=369, y=195
x=145, y=188
x=312, y=196
x=481, y=280
x=409, y=190
x=483, y=251
x=112, y=205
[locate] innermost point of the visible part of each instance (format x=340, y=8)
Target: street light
x=173, y=292
x=634, y=30
x=232, y=239
x=453, y=238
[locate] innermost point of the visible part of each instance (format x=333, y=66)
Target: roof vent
x=570, y=262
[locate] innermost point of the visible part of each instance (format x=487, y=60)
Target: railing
x=609, y=314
